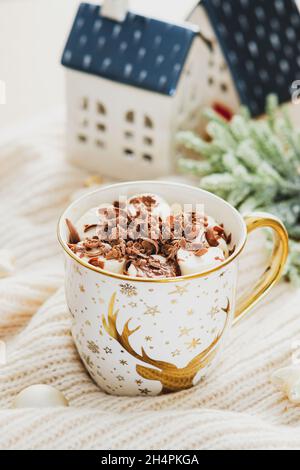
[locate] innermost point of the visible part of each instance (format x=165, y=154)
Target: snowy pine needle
x=254, y=165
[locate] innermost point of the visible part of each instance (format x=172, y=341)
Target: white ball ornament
x=40, y=396
x=288, y=380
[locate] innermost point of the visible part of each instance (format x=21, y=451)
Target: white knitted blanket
x=237, y=408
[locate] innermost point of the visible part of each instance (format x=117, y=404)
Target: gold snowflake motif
x=139, y=382
x=120, y=378
x=184, y=331
x=180, y=290
x=132, y=304
x=123, y=363
x=107, y=350
x=190, y=312
x=193, y=344
x=152, y=310
x=128, y=290
x=82, y=288
x=148, y=338
x=93, y=347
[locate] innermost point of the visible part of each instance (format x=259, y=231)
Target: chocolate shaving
x=211, y=237
x=73, y=234
x=97, y=263
x=201, y=252
x=123, y=234
x=89, y=227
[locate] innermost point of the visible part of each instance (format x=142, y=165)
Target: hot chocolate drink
x=145, y=237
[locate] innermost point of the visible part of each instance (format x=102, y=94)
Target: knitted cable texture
x=236, y=408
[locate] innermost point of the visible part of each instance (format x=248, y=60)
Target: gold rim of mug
x=123, y=277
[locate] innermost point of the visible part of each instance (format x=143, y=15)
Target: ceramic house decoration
x=135, y=78
x=131, y=83
x=255, y=49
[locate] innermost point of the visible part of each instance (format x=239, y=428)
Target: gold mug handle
x=277, y=262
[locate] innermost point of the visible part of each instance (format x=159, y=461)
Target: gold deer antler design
x=171, y=377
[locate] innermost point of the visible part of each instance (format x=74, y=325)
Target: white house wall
x=219, y=86
x=101, y=139
x=190, y=96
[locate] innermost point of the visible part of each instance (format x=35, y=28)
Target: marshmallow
x=91, y=217
x=113, y=265
x=288, y=380
x=189, y=263
x=160, y=208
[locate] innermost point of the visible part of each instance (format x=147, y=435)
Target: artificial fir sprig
x=254, y=165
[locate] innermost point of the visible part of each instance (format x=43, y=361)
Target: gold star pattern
x=139, y=382
x=148, y=338
x=123, y=363
x=214, y=312
x=144, y=391
x=132, y=304
x=120, y=378
x=81, y=288
x=190, y=312
x=180, y=290
x=193, y=344
x=107, y=350
x=93, y=347
x=184, y=331
x=176, y=353
x=152, y=310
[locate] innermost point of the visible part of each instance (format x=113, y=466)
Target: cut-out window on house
x=148, y=122
x=84, y=103
x=82, y=138
x=224, y=87
x=147, y=157
x=148, y=141
x=100, y=144
x=128, y=135
x=129, y=153
x=101, y=127
x=101, y=109
x=84, y=123
x=130, y=117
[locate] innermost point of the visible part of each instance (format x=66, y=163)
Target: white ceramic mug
x=147, y=337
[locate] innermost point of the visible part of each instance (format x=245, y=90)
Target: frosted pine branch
x=254, y=164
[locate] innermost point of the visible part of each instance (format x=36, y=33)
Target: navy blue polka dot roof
x=139, y=51
x=261, y=42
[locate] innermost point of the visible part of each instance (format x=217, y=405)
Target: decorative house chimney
x=115, y=9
